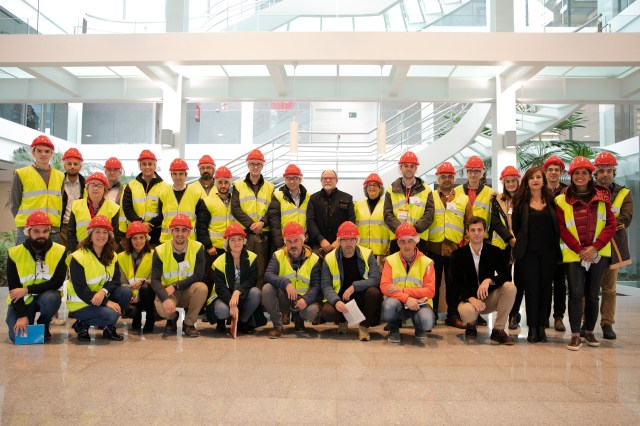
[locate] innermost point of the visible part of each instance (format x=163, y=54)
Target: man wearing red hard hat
x=113, y=172
x=73, y=189
x=289, y=204
x=207, y=169
x=478, y=193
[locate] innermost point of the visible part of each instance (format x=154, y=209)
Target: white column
x=500, y=15
x=246, y=125
x=503, y=119
x=173, y=109
x=607, y=120
x=176, y=14
x=74, y=123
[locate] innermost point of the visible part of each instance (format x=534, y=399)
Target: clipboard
x=34, y=336
x=234, y=327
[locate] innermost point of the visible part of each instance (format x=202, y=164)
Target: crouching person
x=94, y=295
x=235, y=275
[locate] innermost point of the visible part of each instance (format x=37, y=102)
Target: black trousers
x=584, y=284
x=441, y=265
x=535, y=273
x=559, y=293
x=369, y=301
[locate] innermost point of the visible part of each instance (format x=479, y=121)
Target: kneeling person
x=177, y=272
x=351, y=272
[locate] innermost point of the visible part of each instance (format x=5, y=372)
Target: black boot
x=82, y=328
x=532, y=337
x=513, y=322
x=172, y=326
x=110, y=333
x=542, y=334
x=149, y=322
x=245, y=328
x=136, y=324
x=221, y=326
x=47, y=333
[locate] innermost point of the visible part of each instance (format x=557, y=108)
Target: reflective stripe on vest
x=254, y=206
x=221, y=218
x=220, y=264
x=131, y=274
x=569, y=255
x=482, y=204
x=290, y=213
x=80, y=210
x=411, y=279
x=145, y=205
x=96, y=275
x=300, y=279
x=374, y=233
x=37, y=196
x=171, y=207
x=416, y=209
x=448, y=223
x=332, y=262
x=171, y=271
x=617, y=203
x=28, y=268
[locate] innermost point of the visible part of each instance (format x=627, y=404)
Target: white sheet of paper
x=355, y=315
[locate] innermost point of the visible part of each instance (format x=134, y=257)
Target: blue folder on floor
x=35, y=335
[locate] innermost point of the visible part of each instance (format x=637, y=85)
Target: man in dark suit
x=482, y=282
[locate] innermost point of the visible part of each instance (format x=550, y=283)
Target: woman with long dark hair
x=94, y=295
x=502, y=210
x=587, y=225
x=536, y=250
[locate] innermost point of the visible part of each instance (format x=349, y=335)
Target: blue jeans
x=102, y=316
x=46, y=303
x=271, y=301
x=218, y=310
x=393, y=311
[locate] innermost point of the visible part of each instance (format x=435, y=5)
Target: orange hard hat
x=474, y=162
x=373, y=178
x=580, y=162
x=605, y=159
x=509, y=171
x=255, y=155
x=42, y=140
x=206, y=159
x=348, y=230
x=223, y=173
x=405, y=229
x=409, y=158
x=147, y=155
x=445, y=168
x=553, y=160
x=181, y=219
x=72, y=153
x=112, y=163
x=178, y=165
x=292, y=229
x=100, y=221
x=37, y=218
x=136, y=228
x=292, y=170
x=97, y=176
x=234, y=229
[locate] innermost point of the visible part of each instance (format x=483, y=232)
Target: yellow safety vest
x=145, y=205
x=36, y=196
x=617, y=203
x=203, y=194
x=221, y=218
x=290, y=213
x=411, y=279
x=415, y=208
x=80, y=210
x=28, y=269
x=332, y=262
x=171, y=271
x=496, y=239
x=482, y=205
x=254, y=206
x=142, y=273
x=448, y=223
x=300, y=279
x=221, y=265
x=374, y=233
x=569, y=255
x=171, y=207
x=95, y=273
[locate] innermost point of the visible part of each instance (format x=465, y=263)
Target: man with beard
x=113, y=171
x=289, y=204
x=72, y=189
x=207, y=168
x=35, y=271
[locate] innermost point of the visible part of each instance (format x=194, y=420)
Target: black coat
x=520, y=223
x=248, y=277
x=326, y=212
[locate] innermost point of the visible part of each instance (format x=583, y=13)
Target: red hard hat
x=292, y=229
x=509, y=171
x=72, y=153
x=348, y=230
x=135, y=228
x=405, y=229
x=37, y=218
x=373, y=178
x=409, y=158
x=100, y=177
x=255, y=155
x=112, y=163
x=178, y=165
x=580, y=162
x=42, y=140
x=474, y=162
x=147, y=155
x=553, y=160
x=100, y=222
x=234, y=229
x=605, y=159
x=180, y=220
x=223, y=173
x=292, y=170
x=206, y=159
x=445, y=168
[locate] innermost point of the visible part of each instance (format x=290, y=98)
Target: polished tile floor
x=322, y=378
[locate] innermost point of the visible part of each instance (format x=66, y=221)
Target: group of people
x=222, y=248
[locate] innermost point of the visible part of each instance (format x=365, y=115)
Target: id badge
x=42, y=269
x=510, y=211
x=403, y=215
x=451, y=205
x=414, y=200
x=183, y=265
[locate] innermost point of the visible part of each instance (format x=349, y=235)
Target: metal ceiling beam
x=517, y=76
x=631, y=85
x=56, y=77
x=162, y=75
x=398, y=76
x=277, y=74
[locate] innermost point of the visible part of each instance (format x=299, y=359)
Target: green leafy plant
x=6, y=241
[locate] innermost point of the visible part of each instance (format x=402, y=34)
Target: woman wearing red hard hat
x=587, y=225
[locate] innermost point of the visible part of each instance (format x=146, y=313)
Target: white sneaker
x=58, y=321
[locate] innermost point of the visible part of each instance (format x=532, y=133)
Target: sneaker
x=363, y=333
x=110, y=333
x=343, y=328
x=275, y=333
x=575, y=344
x=82, y=328
x=558, y=325
x=591, y=339
x=420, y=333
x=394, y=336
x=471, y=331
x=582, y=331
x=501, y=336
x=454, y=321
x=608, y=333
x=58, y=321
x=190, y=330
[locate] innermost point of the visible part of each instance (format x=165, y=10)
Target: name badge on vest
x=510, y=211
x=403, y=214
x=183, y=265
x=414, y=200
x=451, y=205
x=42, y=269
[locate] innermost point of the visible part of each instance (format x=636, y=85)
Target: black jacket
x=275, y=216
x=326, y=212
x=462, y=270
x=248, y=277
x=520, y=223
x=421, y=224
x=132, y=216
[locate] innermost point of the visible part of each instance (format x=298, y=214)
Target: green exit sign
x=353, y=115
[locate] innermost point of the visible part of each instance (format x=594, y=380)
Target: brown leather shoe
x=286, y=318
x=558, y=325
x=275, y=332
x=455, y=321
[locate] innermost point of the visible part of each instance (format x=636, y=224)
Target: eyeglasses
x=474, y=171
x=292, y=178
x=373, y=185
x=95, y=185
x=329, y=178
x=254, y=164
